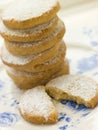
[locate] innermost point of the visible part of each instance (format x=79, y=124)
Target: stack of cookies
x=33, y=50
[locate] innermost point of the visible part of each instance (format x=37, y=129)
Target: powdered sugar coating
x=59, y=27
x=19, y=60
x=16, y=72
x=36, y=102
x=22, y=60
x=26, y=9
x=27, y=32
x=57, y=57
x=76, y=85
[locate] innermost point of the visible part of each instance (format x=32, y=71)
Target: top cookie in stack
x=26, y=14
x=33, y=48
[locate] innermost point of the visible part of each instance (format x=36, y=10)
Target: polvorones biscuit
x=54, y=39
x=78, y=88
x=36, y=107
x=27, y=80
x=27, y=64
x=27, y=14
x=32, y=34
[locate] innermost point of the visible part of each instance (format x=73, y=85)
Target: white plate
x=83, y=59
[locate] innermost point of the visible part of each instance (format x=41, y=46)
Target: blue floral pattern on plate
x=90, y=32
x=63, y=127
x=1, y=84
x=94, y=43
x=87, y=64
x=68, y=119
x=92, y=35
x=8, y=119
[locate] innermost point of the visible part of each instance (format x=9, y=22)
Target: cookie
x=36, y=107
x=27, y=14
x=32, y=34
x=36, y=47
x=78, y=88
x=27, y=80
x=34, y=63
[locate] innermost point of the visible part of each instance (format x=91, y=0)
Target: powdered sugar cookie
x=29, y=13
x=53, y=39
x=28, y=64
x=32, y=34
x=36, y=107
x=27, y=80
x=79, y=88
